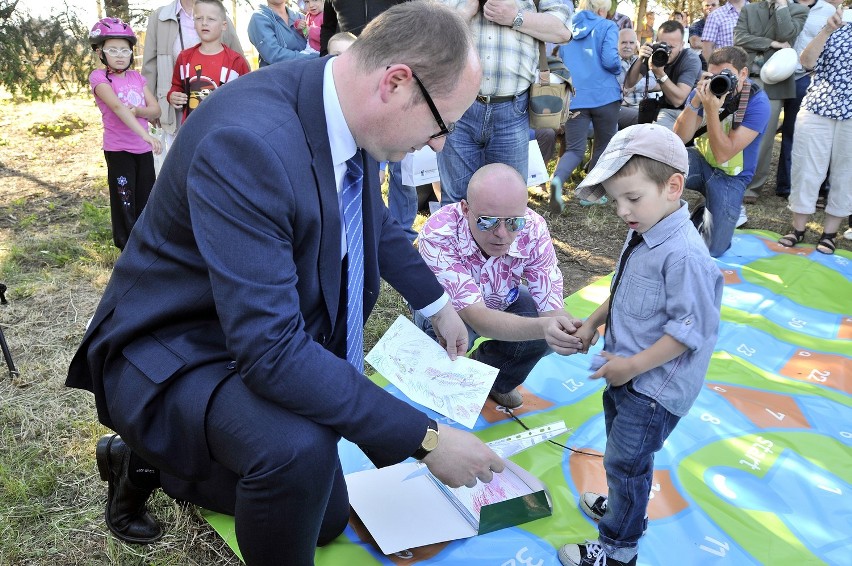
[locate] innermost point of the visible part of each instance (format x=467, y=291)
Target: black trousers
x=276, y=472
x=130, y=177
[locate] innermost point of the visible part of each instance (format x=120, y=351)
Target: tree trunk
x=641, y=8
x=117, y=9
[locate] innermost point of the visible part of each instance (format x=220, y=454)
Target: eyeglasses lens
x=512, y=223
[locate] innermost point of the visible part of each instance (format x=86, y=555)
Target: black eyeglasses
x=512, y=223
x=437, y=115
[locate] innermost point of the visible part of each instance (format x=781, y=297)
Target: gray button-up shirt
x=671, y=286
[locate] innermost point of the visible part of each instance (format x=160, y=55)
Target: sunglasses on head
x=512, y=223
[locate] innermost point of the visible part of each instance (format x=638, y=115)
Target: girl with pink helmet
x=126, y=105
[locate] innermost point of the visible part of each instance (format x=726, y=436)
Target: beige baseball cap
x=650, y=140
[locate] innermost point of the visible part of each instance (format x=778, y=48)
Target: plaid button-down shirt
x=719, y=26
x=509, y=58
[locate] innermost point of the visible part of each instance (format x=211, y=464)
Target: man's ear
x=742, y=76
x=674, y=186
x=394, y=78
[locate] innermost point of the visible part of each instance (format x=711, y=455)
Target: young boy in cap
x=662, y=319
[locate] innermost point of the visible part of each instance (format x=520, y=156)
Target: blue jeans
x=636, y=427
x=604, y=120
x=515, y=360
x=486, y=133
x=723, y=196
x=402, y=200
x=791, y=110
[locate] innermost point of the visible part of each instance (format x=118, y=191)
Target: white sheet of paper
x=536, y=168
x=420, y=167
x=421, y=369
x=404, y=514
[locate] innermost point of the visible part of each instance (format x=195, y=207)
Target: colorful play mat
x=760, y=470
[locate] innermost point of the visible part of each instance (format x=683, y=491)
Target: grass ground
x=56, y=256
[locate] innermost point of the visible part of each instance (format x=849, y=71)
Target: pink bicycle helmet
x=109, y=28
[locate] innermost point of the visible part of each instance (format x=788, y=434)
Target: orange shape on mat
x=845, y=330
x=731, y=276
x=493, y=413
x=764, y=409
x=828, y=370
x=587, y=473
x=779, y=249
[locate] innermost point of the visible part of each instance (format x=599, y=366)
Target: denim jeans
x=402, y=200
x=723, y=196
x=486, y=133
x=515, y=360
x=636, y=427
x=604, y=120
x=791, y=110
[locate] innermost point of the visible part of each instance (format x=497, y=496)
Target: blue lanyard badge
x=510, y=298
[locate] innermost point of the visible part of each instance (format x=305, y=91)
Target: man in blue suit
x=218, y=351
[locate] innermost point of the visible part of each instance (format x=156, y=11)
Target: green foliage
x=41, y=58
x=63, y=126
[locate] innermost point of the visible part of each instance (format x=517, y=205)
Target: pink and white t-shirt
x=468, y=277
x=130, y=89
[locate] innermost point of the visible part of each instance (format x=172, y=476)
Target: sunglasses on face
x=512, y=223
x=115, y=52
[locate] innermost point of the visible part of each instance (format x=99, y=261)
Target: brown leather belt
x=494, y=99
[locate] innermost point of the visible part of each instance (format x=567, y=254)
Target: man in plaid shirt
x=719, y=27
x=495, y=129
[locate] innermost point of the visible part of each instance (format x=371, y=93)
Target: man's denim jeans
x=636, y=427
x=515, y=360
x=723, y=195
x=486, y=133
x=402, y=200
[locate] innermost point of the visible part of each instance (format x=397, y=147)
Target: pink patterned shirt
x=468, y=277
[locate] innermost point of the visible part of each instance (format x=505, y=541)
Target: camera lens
x=719, y=85
x=660, y=57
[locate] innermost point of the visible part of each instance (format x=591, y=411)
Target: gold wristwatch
x=430, y=441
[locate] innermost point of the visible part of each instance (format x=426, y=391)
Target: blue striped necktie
x=353, y=224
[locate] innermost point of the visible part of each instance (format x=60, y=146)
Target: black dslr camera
x=660, y=53
x=723, y=83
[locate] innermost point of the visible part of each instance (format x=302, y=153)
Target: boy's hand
x=588, y=335
x=178, y=99
x=559, y=333
x=616, y=371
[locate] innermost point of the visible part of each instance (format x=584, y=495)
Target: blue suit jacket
x=235, y=265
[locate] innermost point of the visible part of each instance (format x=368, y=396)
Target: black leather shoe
x=126, y=514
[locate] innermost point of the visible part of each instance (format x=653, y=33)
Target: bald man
x=494, y=258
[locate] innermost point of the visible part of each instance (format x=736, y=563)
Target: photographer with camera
x=726, y=115
x=676, y=70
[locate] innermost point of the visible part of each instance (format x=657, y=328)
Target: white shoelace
x=596, y=551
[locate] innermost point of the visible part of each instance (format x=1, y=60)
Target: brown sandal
x=827, y=243
x=793, y=238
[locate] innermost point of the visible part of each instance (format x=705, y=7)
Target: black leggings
x=130, y=177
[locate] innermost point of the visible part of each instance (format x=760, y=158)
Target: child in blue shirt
x=662, y=320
